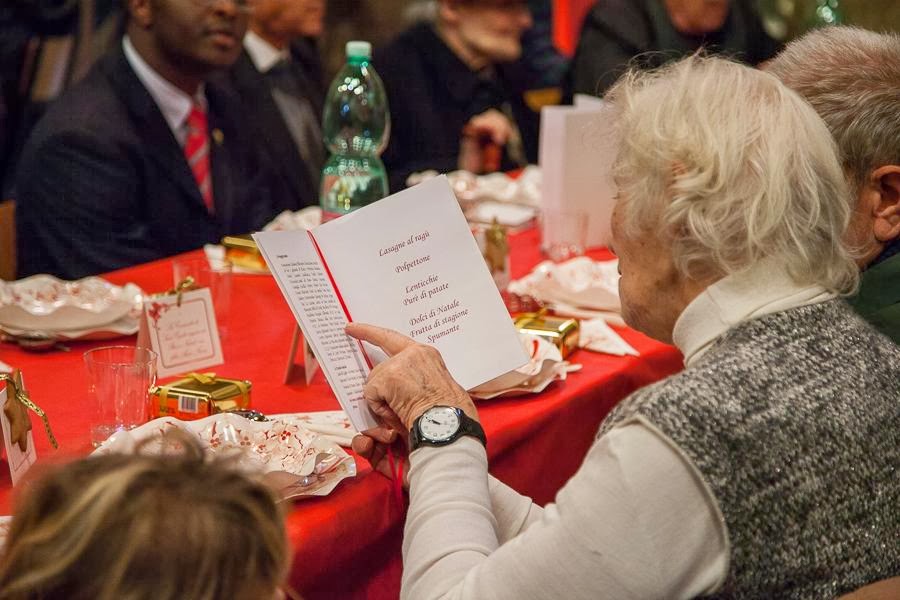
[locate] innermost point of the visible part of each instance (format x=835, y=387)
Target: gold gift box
x=199, y=395
x=561, y=332
x=241, y=251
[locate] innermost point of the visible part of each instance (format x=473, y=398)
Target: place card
x=182, y=330
x=310, y=364
x=18, y=459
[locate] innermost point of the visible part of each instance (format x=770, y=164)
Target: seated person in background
x=768, y=467
x=280, y=80
x=141, y=159
x=653, y=32
x=852, y=78
x=145, y=527
x=461, y=72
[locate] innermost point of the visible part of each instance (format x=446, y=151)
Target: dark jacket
x=617, y=31
x=103, y=183
x=878, y=300
x=433, y=94
x=269, y=127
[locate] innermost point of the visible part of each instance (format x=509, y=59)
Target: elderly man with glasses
x=462, y=72
x=144, y=159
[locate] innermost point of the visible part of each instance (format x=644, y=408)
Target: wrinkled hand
x=373, y=445
x=410, y=382
x=494, y=122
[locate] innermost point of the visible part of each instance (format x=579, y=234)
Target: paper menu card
x=408, y=262
x=577, y=151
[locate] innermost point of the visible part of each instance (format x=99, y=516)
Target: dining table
x=348, y=544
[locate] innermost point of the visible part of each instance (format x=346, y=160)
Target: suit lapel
x=159, y=142
x=280, y=146
x=225, y=187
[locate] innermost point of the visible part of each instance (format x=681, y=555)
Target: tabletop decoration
x=598, y=336
x=181, y=326
x=561, y=332
x=198, y=395
x=15, y=426
x=16, y=404
x=89, y=308
x=544, y=367
x=334, y=425
x=580, y=287
x=241, y=251
x=293, y=460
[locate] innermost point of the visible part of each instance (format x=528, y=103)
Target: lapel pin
x=218, y=136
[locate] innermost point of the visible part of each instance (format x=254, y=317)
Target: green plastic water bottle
x=356, y=128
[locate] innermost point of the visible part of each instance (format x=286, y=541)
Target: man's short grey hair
x=851, y=76
x=735, y=168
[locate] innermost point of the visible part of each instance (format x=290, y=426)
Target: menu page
x=293, y=259
x=410, y=263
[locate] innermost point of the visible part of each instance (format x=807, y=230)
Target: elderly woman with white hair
x=769, y=466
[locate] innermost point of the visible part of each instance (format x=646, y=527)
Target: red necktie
x=196, y=151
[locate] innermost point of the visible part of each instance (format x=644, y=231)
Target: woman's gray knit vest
x=793, y=419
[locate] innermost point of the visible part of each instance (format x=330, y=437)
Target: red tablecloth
x=347, y=545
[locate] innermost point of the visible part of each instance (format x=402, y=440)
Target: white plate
x=45, y=303
x=127, y=325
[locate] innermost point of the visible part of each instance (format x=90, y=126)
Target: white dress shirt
x=263, y=54
x=174, y=104
x=636, y=521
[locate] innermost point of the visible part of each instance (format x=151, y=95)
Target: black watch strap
x=467, y=426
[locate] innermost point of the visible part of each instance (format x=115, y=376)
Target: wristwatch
x=442, y=425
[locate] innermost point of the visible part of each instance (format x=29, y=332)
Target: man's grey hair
x=734, y=168
x=851, y=76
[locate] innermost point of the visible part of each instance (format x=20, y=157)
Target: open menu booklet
x=408, y=262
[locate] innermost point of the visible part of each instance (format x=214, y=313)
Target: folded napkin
x=545, y=367
x=305, y=463
x=596, y=335
x=333, y=425
x=468, y=187
x=305, y=218
x=579, y=287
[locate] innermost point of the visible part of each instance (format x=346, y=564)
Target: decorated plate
x=45, y=303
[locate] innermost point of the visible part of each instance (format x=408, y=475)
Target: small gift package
x=241, y=251
x=199, y=395
x=561, y=332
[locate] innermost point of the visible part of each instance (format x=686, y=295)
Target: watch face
x=439, y=424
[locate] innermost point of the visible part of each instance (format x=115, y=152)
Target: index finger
x=388, y=340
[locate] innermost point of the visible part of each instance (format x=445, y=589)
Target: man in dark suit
x=280, y=81
x=462, y=73
x=142, y=160
x=649, y=33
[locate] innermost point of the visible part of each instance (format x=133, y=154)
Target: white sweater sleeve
x=635, y=521
x=513, y=511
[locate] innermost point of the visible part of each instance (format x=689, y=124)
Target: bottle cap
x=359, y=49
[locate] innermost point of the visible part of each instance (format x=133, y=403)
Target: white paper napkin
x=545, y=367
x=579, y=283
x=596, y=335
x=305, y=218
x=331, y=424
